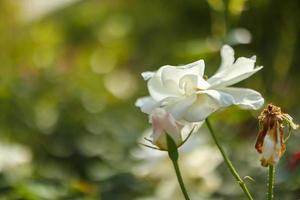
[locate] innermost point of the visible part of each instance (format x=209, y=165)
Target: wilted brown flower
x=270, y=143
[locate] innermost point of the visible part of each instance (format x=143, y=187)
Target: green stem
x=180, y=181
x=271, y=182
x=173, y=155
x=228, y=162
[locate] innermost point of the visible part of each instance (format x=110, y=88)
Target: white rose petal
x=184, y=92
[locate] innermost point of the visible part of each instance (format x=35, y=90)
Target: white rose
x=183, y=92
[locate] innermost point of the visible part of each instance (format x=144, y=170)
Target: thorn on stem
x=250, y=178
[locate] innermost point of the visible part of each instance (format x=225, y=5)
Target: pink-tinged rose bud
x=270, y=143
x=164, y=123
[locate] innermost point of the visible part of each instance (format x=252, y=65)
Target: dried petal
x=270, y=141
x=289, y=120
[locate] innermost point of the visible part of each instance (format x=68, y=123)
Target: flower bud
x=270, y=143
x=163, y=123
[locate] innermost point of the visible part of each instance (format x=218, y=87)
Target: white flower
x=163, y=123
x=184, y=92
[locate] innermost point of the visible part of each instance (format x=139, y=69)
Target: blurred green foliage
x=69, y=80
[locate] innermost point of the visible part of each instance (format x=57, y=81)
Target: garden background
x=70, y=74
